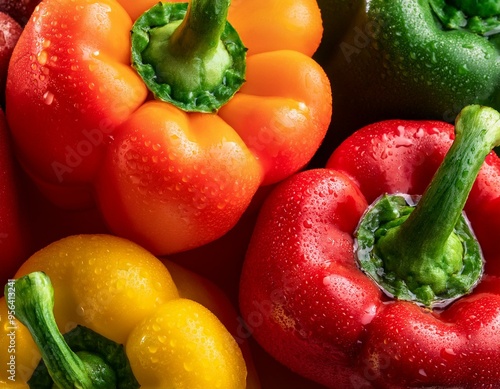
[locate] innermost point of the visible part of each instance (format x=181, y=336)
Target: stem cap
x=189, y=55
x=424, y=249
x=434, y=281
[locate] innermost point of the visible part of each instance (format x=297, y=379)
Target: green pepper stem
x=34, y=303
x=188, y=54
x=200, y=32
x=429, y=226
x=424, y=248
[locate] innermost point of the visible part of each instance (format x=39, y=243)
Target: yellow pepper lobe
x=96, y=278
x=184, y=346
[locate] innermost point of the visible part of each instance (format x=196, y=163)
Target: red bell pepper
x=382, y=296
x=176, y=171
x=14, y=244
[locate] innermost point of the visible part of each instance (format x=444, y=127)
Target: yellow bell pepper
x=124, y=293
x=197, y=288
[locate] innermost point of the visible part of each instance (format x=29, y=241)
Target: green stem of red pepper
x=188, y=54
x=428, y=253
x=96, y=362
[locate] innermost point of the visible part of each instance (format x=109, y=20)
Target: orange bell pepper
x=163, y=176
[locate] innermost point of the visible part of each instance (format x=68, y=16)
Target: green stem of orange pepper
x=188, y=54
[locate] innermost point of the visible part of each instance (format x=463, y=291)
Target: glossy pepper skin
x=310, y=305
x=167, y=179
x=398, y=59
x=124, y=293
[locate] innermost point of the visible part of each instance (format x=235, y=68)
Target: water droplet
x=48, y=98
x=80, y=310
x=162, y=339
x=403, y=142
x=307, y=223
x=156, y=327
x=42, y=57
x=420, y=133
x=153, y=349
x=188, y=366
x=46, y=43
x=448, y=354
x=463, y=69
x=132, y=165
x=370, y=313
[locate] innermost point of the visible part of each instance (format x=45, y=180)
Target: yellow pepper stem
x=34, y=304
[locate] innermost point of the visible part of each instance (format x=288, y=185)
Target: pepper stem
x=429, y=253
x=188, y=54
x=34, y=303
x=429, y=227
x=480, y=17
x=200, y=32
x=483, y=8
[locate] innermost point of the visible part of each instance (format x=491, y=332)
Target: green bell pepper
x=408, y=59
